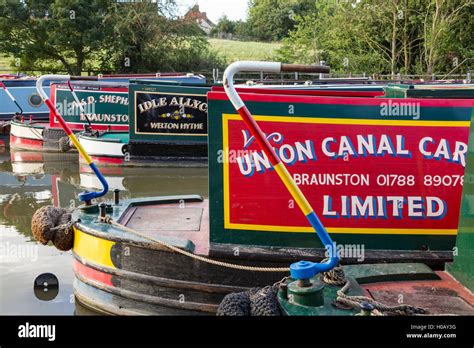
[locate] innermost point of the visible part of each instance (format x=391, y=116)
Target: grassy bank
x=244, y=50
x=5, y=65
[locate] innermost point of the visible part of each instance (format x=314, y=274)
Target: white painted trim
x=97, y=147
x=26, y=132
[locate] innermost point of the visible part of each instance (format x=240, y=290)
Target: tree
x=147, y=37
x=440, y=17
x=224, y=25
x=271, y=20
x=113, y=36
x=53, y=34
x=376, y=36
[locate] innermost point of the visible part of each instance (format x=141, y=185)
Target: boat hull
x=36, y=136
x=114, y=149
x=118, y=272
x=26, y=136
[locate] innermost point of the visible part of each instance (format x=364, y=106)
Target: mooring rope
x=337, y=277
x=110, y=221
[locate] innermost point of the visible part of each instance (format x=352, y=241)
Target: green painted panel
x=463, y=266
x=101, y=107
x=430, y=91
x=219, y=234
x=168, y=113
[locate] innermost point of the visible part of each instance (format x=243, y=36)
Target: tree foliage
x=150, y=40
x=409, y=36
x=224, y=25
x=77, y=35
x=47, y=34
x=271, y=20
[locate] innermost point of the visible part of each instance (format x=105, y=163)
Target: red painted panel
x=404, y=163
x=107, y=160
x=27, y=144
x=92, y=274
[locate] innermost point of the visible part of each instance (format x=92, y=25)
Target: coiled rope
x=110, y=221
x=337, y=277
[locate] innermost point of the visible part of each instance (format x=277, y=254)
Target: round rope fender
x=53, y=224
x=253, y=302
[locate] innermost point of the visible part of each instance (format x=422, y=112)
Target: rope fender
x=253, y=302
x=53, y=224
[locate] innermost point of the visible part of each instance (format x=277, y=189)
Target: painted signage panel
x=166, y=113
x=368, y=172
x=360, y=177
x=106, y=108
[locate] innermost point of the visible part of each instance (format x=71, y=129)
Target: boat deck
x=185, y=220
x=441, y=297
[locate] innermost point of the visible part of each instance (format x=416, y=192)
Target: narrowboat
x=105, y=106
x=22, y=90
x=155, y=140
x=386, y=190
x=445, y=91
x=168, y=123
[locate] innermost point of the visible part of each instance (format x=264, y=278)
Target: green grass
x=5, y=64
x=244, y=50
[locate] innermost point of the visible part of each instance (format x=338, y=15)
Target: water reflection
x=29, y=180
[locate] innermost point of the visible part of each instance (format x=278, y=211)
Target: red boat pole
x=302, y=269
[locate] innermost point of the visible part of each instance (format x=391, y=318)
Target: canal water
x=30, y=180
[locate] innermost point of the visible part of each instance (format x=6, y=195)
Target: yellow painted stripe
x=225, y=147
x=413, y=123
x=342, y=230
x=79, y=148
x=293, y=188
x=93, y=249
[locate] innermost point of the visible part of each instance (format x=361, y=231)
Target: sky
x=233, y=9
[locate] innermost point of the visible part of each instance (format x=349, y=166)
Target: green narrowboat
x=168, y=122
x=387, y=187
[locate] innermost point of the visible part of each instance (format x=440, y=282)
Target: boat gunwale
x=112, y=234
x=30, y=125
x=91, y=137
